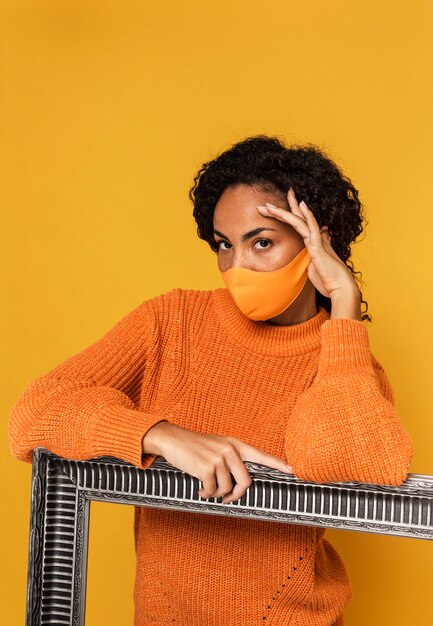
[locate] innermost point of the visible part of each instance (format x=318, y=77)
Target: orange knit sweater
x=311, y=393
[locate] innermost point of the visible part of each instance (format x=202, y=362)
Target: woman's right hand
x=210, y=458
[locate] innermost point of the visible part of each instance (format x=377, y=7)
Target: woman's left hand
x=328, y=273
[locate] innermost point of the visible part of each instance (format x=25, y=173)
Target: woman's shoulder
x=179, y=298
x=177, y=293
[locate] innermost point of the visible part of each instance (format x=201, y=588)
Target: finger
x=327, y=244
x=235, y=494
x=272, y=461
x=224, y=480
x=240, y=475
x=328, y=247
x=209, y=485
x=315, y=237
x=250, y=453
x=293, y=203
x=284, y=215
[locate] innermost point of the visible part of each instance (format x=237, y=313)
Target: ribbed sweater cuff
x=121, y=430
x=344, y=347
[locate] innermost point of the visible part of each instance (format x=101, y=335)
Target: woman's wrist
x=347, y=305
x=151, y=442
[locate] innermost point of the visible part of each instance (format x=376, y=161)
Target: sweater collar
x=263, y=338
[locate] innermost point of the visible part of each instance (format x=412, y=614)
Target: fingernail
x=272, y=205
x=289, y=468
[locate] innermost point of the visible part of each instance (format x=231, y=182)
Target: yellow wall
x=108, y=110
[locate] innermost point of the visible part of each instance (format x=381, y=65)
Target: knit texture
x=311, y=393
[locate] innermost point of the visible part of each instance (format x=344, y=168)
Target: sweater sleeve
x=345, y=427
x=84, y=407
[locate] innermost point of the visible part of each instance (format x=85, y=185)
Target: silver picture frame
x=62, y=490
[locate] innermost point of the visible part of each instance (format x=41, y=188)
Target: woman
x=275, y=369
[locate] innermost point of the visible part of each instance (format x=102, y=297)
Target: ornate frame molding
x=63, y=488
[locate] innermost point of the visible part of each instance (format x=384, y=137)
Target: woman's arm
x=345, y=426
x=84, y=407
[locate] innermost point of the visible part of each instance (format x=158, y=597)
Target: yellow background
x=108, y=109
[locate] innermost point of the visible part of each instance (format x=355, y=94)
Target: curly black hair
x=266, y=163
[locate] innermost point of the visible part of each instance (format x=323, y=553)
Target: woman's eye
x=263, y=240
x=266, y=241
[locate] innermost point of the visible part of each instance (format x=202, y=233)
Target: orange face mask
x=263, y=295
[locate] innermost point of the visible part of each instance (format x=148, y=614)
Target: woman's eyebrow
x=247, y=235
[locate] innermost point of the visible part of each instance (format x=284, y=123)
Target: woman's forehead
x=241, y=193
